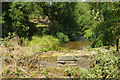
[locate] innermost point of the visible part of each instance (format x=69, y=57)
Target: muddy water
x=78, y=44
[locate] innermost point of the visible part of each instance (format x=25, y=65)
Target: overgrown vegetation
x=62, y=37
x=98, y=21
x=104, y=27
x=105, y=65
x=24, y=61
x=44, y=43
x=32, y=29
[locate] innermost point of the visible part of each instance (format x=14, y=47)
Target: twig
x=24, y=71
x=112, y=72
x=92, y=41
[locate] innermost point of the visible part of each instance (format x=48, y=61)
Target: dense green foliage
x=104, y=28
x=61, y=17
x=98, y=21
x=64, y=19
x=62, y=37
x=44, y=43
x=6, y=20
x=16, y=18
x=105, y=66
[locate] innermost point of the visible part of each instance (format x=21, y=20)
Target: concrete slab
x=60, y=65
x=72, y=65
x=65, y=58
x=70, y=62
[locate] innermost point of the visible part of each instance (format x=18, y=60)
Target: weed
x=104, y=66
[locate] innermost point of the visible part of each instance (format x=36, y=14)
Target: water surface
x=78, y=44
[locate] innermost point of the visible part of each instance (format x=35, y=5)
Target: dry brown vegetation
x=23, y=62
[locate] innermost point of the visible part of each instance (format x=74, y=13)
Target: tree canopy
x=104, y=28
x=100, y=22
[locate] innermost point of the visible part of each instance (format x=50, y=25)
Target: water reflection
x=76, y=45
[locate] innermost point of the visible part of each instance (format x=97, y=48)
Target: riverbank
x=24, y=62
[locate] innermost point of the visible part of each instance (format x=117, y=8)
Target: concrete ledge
x=60, y=61
x=72, y=65
x=65, y=58
x=70, y=62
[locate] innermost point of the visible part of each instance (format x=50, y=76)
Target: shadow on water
x=78, y=43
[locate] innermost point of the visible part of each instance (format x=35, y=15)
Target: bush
x=62, y=37
x=105, y=66
x=5, y=40
x=45, y=31
x=44, y=43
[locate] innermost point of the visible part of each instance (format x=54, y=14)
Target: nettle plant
x=5, y=40
x=105, y=65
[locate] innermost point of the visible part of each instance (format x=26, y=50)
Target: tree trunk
x=117, y=44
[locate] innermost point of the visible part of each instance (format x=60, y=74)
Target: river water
x=78, y=44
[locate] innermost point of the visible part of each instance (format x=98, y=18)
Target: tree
x=6, y=19
x=16, y=18
x=60, y=15
x=104, y=26
x=66, y=17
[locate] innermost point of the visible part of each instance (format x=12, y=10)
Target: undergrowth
x=44, y=43
x=23, y=62
x=105, y=66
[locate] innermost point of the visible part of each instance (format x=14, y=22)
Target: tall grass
x=43, y=42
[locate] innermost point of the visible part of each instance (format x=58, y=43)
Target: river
x=77, y=44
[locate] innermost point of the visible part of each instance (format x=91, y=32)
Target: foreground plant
x=105, y=66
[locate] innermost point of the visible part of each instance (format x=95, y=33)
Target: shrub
x=45, y=31
x=62, y=37
x=105, y=66
x=5, y=40
x=44, y=43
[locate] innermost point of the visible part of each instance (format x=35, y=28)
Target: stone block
x=60, y=65
x=65, y=58
x=84, y=63
x=70, y=62
x=82, y=56
x=72, y=65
